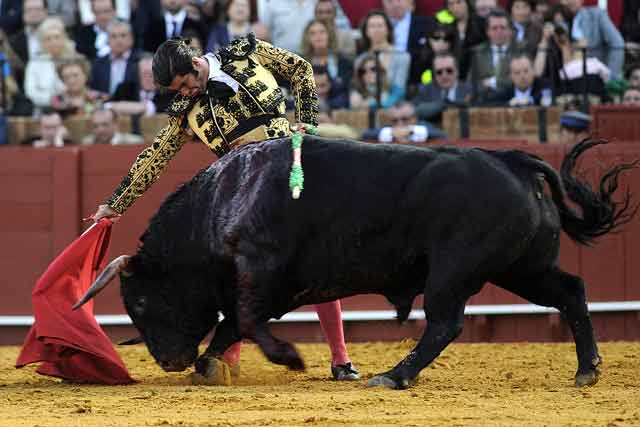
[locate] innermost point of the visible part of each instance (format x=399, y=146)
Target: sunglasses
x=439, y=38
x=401, y=119
x=447, y=70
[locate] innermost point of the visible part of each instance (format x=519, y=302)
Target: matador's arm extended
x=148, y=166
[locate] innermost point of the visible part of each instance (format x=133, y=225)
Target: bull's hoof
x=588, y=378
x=211, y=371
x=296, y=364
x=387, y=381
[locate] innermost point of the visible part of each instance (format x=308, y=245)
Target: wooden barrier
x=46, y=193
x=502, y=123
x=616, y=123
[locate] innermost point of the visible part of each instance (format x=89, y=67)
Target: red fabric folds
x=70, y=344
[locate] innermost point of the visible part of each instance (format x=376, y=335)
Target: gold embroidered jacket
x=258, y=104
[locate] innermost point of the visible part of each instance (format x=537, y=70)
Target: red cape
x=70, y=344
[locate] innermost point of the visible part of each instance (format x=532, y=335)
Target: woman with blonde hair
x=41, y=82
x=319, y=46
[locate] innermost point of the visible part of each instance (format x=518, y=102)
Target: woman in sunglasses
x=364, y=85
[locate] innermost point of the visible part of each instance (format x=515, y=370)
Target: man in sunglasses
x=446, y=90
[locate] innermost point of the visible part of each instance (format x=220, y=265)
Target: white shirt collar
x=178, y=18
x=216, y=73
x=125, y=56
x=520, y=94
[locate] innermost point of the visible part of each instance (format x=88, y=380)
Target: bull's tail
x=600, y=213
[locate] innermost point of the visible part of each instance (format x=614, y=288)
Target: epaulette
x=181, y=104
x=238, y=49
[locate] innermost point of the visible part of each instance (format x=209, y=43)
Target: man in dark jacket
x=525, y=88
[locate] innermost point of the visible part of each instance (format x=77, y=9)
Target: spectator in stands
x=442, y=38
x=602, y=37
x=53, y=133
x=92, y=40
x=172, y=22
x=633, y=75
x=120, y=65
x=364, y=86
x=345, y=42
x=238, y=24
x=41, y=81
x=525, y=89
x=76, y=98
x=409, y=32
x=286, y=20
x=404, y=128
x=15, y=104
x=330, y=96
x=25, y=42
x=10, y=16
x=196, y=39
x=446, y=90
x=527, y=31
x=483, y=7
x=471, y=31
x=631, y=96
x=142, y=96
x=104, y=127
x=574, y=127
x=490, y=65
x=12, y=65
x=377, y=36
x=540, y=11
x=319, y=48
x=630, y=26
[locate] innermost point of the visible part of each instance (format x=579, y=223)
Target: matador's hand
x=105, y=211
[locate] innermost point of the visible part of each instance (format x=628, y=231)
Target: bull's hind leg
x=254, y=292
x=565, y=292
x=444, y=302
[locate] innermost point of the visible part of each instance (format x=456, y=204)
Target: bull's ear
x=132, y=341
x=118, y=265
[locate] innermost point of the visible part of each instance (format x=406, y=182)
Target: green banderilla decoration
x=296, y=177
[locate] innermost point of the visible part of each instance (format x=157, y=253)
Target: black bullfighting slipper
x=345, y=372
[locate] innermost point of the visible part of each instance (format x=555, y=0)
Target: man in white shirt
x=25, y=43
x=286, y=20
x=173, y=22
x=409, y=32
x=104, y=126
x=404, y=126
x=109, y=71
x=93, y=40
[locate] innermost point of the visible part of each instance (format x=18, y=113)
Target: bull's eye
x=140, y=305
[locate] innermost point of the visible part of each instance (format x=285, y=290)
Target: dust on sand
x=469, y=384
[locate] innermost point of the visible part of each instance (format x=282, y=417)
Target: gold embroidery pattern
x=148, y=166
x=180, y=105
x=296, y=70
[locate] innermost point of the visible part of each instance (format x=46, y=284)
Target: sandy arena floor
x=470, y=384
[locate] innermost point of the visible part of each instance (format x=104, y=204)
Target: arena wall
x=46, y=193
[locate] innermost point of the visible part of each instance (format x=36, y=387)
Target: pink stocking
x=330, y=315
x=232, y=355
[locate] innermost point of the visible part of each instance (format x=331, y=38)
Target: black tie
x=175, y=29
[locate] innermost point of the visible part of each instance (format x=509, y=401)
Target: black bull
x=392, y=220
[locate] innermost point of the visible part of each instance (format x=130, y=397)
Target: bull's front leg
x=211, y=368
x=254, y=289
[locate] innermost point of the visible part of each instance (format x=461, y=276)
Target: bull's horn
x=116, y=266
x=132, y=341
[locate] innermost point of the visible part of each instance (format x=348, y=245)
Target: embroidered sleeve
x=148, y=166
x=299, y=72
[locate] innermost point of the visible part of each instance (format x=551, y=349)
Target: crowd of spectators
x=62, y=58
